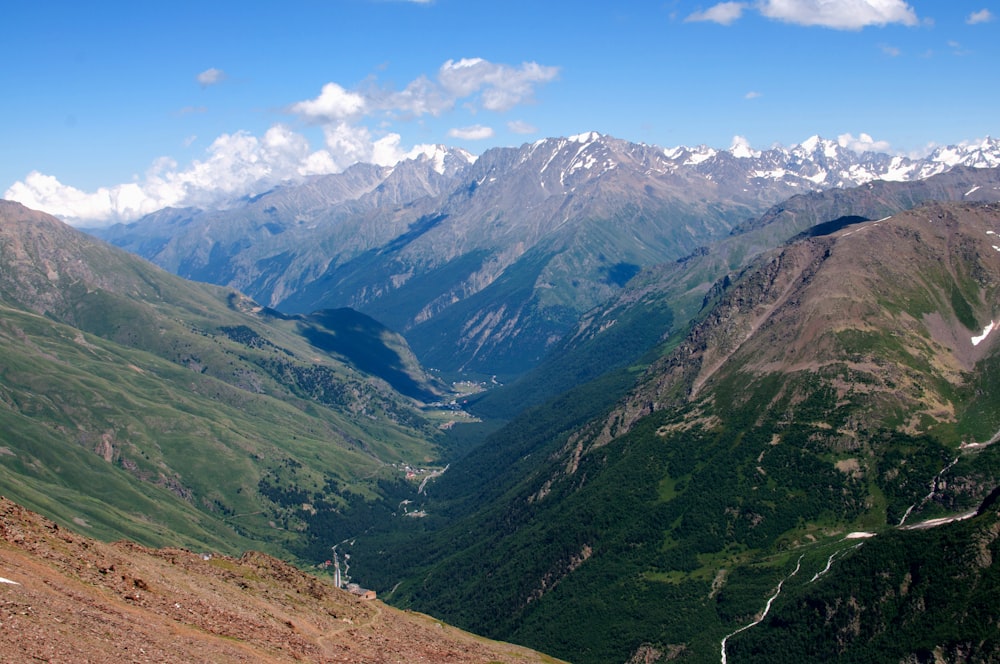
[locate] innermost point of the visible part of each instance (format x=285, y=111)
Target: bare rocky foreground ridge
x=67, y=598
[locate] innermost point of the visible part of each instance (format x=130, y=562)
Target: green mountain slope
x=844, y=382
x=135, y=403
x=923, y=596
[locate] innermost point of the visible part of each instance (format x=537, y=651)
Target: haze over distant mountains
x=483, y=263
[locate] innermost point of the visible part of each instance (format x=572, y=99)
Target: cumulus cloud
x=836, y=14
x=211, y=76
x=333, y=105
x=235, y=165
x=982, y=16
x=241, y=164
x=839, y=14
x=891, y=51
x=349, y=144
x=863, y=143
x=500, y=87
x=473, y=133
x=753, y=94
x=724, y=13
x=478, y=83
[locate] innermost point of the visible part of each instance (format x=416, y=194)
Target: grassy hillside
x=135, y=403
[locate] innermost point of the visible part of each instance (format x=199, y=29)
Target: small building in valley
x=360, y=592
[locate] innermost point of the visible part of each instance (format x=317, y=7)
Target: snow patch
x=699, y=155
x=971, y=191
x=587, y=137
x=986, y=330
x=810, y=144
x=741, y=149
x=775, y=174
x=819, y=178
x=13, y=583
x=859, y=535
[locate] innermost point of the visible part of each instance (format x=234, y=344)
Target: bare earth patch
x=73, y=599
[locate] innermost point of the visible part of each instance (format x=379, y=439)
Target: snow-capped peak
x=819, y=163
x=690, y=156
x=984, y=153
x=586, y=137
x=814, y=144
x=439, y=155
x=741, y=149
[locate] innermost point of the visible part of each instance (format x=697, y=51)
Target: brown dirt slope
x=66, y=598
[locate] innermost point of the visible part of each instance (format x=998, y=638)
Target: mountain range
x=755, y=420
x=484, y=263
x=842, y=383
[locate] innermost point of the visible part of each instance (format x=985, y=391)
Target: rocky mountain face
x=927, y=278
x=70, y=598
x=659, y=302
x=842, y=383
x=484, y=263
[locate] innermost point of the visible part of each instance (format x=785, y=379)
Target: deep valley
x=605, y=401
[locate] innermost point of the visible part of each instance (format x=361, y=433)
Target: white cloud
x=473, y=133
x=479, y=83
x=501, y=87
x=421, y=97
x=334, y=104
x=753, y=94
x=863, y=143
x=235, y=165
x=982, y=16
x=957, y=49
x=740, y=148
x=724, y=13
x=241, y=164
x=349, y=144
x=839, y=14
x=836, y=14
x=891, y=51
x=46, y=193
x=521, y=127
x=211, y=77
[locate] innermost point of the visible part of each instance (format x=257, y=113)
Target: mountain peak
x=818, y=145
x=586, y=137
x=741, y=149
x=445, y=160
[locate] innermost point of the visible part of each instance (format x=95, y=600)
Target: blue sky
x=112, y=109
